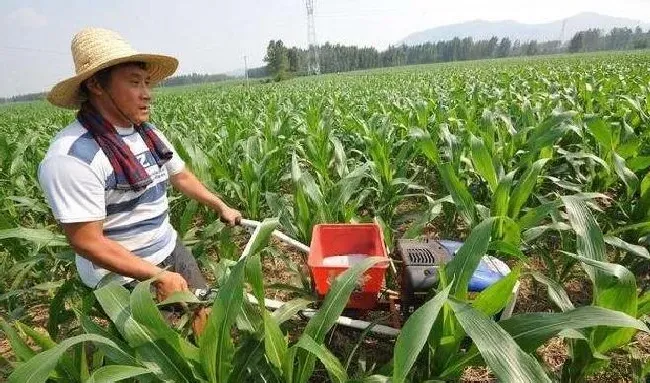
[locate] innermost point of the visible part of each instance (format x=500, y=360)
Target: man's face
x=129, y=88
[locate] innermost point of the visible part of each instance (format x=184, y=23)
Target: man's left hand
x=231, y=216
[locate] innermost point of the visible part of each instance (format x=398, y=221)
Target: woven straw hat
x=94, y=49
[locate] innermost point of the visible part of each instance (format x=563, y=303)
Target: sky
x=214, y=36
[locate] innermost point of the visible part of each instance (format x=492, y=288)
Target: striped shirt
x=79, y=184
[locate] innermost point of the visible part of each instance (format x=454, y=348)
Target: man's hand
x=189, y=185
x=230, y=216
x=168, y=283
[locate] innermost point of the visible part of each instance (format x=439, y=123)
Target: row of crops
x=542, y=163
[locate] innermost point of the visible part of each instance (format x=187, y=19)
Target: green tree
x=277, y=59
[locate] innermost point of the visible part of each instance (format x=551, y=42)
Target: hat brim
x=66, y=94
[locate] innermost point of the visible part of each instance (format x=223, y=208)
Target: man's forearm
x=188, y=184
x=112, y=256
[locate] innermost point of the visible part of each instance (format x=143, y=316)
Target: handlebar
x=252, y=224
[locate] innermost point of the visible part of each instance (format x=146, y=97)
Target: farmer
x=105, y=175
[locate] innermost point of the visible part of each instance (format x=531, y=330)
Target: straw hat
x=94, y=49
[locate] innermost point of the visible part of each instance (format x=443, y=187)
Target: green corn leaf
x=180, y=297
x=42, y=340
x=109, y=374
x=255, y=278
x=157, y=355
x=614, y=285
x=502, y=196
x=483, y=162
x=461, y=268
x=530, y=330
x=643, y=305
x=493, y=299
x=145, y=311
x=556, y=292
x=275, y=345
x=260, y=238
x=124, y=358
x=164, y=361
x=625, y=174
x=333, y=366
x=426, y=144
x=525, y=188
x=459, y=193
x=504, y=357
x=19, y=347
x=534, y=233
x=38, y=368
x=507, y=248
x=637, y=250
x=41, y=237
x=414, y=334
x=216, y=345
x=332, y=307
x=247, y=355
x=615, y=288
x=601, y=132
x=289, y=309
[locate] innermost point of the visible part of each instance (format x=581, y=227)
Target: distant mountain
x=481, y=29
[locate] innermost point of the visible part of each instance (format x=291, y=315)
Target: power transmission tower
x=313, y=66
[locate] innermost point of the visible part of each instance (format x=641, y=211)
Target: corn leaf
x=333, y=366
x=530, y=330
x=459, y=193
x=504, y=357
x=38, y=368
x=524, y=188
x=467, y=258
x=332, y=307
x=414, y=334
x=483, y=162
x=109, y=374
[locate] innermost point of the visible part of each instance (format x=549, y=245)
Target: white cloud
x=27, y=17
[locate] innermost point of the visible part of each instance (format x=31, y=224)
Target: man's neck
x=110, y=113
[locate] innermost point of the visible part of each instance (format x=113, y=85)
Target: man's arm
x=189, y=185
x=88, y=240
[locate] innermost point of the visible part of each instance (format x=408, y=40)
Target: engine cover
x=420, y=260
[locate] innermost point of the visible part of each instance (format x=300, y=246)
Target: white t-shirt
x=79, y=183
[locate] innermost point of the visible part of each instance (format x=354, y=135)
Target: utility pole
x=246, y=70
x=313, y=65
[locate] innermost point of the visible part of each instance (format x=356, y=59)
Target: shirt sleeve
x=176, y=164
x=73, y=190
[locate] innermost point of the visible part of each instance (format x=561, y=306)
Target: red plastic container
x=331, y=240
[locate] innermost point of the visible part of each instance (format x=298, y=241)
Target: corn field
x=543, y=163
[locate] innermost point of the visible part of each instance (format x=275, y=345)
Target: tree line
x=283, y=62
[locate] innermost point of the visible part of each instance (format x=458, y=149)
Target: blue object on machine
x=489, y=271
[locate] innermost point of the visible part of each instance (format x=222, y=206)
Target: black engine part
x=421, y=260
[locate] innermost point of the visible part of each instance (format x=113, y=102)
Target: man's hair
x=104, y=77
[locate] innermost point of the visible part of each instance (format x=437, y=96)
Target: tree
x=576, y=44
x=277, y=59
x=531, y=48
x=504, y=47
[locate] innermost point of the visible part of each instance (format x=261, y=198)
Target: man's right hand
x=168, y=283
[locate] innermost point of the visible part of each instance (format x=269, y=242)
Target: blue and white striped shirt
x=79, y=184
